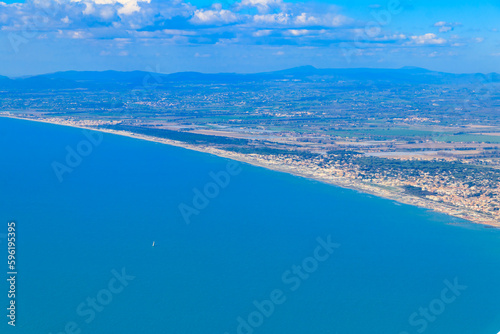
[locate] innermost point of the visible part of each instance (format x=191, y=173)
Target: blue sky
x=40, y=36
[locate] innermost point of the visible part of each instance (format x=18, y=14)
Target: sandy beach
x=254, y=160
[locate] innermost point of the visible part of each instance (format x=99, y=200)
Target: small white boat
x=153, y=243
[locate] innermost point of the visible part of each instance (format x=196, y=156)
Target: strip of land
x=414, y=191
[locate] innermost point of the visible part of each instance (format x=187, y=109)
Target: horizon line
x=249, y=73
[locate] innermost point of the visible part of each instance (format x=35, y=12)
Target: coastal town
x=447, y=185
x=441, y=191
x=250, y=166
x=426, y=138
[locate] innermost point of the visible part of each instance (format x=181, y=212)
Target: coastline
x=252, y=159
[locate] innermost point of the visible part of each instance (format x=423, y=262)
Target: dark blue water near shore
x=397, y=268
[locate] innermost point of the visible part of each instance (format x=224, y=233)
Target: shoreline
x=370, y=189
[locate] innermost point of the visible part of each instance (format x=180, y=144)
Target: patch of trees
x=186, y=137
x=416, y=191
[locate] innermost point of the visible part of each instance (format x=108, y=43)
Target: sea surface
x=246, y=261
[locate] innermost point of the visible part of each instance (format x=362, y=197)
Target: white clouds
x=214, y=16
x=446, y=26
x=107, y=13
x=302, y=20
x=78, y=34
x=306, y=19
x=126, y=7
x=89, y=8
x=272, y=19
x=428, y=39
x=262, y=6
x=127, y=17
x=338, y=20
x=298, y=32
x=247, y=22
x=262, y=33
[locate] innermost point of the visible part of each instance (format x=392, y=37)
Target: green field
x=468, y=138
x=387, y=133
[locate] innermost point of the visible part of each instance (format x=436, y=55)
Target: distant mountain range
x=127, y=80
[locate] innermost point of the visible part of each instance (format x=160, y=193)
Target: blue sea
x=264, y=252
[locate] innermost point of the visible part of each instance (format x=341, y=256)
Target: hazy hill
x=111, y=80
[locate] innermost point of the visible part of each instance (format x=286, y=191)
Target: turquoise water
x=199, y=278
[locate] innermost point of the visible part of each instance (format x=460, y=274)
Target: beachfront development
x=419, y=137
x=451, y=186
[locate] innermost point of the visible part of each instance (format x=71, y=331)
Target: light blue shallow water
x=199, y=278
